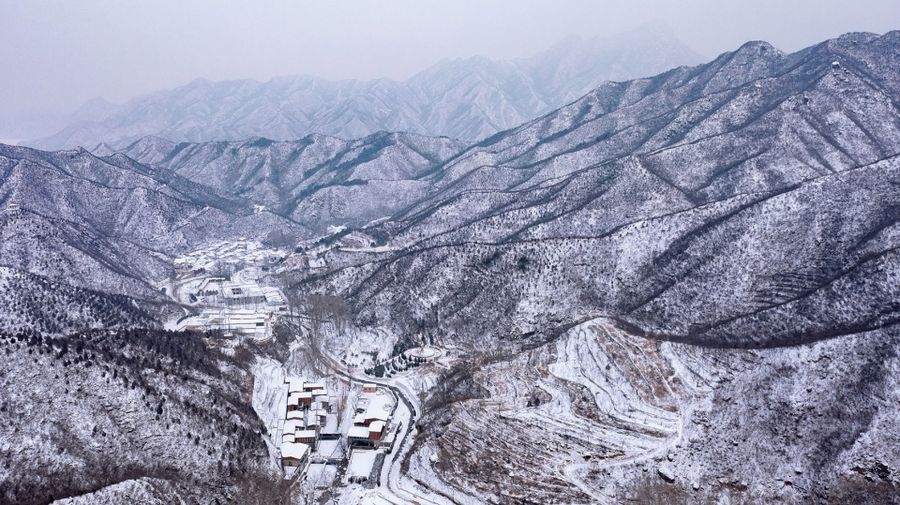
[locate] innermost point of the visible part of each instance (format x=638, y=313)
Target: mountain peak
x=757, y=48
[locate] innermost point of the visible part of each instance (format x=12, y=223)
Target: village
x=337, y=429
x=222, y=284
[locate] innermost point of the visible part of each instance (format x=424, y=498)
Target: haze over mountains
x=466, y=99
x=695, y=273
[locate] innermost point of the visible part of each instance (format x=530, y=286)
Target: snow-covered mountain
x=466, y=99
x=111, y=224
x=746, y=209
x=703, y=204
x=317, y=181
x=674, y=289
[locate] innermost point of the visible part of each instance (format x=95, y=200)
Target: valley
x=681, y=288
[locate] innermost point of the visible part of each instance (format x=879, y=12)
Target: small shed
x=294, y=453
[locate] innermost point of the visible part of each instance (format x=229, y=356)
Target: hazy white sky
x=56, y=54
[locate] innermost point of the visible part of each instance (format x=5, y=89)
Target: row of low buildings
x=308, y=419
x=371, y=430
x=218, y=291
x=242, y=322
x=241, y=309
x=229, y=256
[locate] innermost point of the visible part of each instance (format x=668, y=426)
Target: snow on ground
x=319, y=477
x=270, y=399
x=374, y=249
x=361, y=463
x=358, y=349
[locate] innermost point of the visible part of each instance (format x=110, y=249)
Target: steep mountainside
x=317, y=181
x=147, y=411
x=676, y=289
x=467, y=99
x=32, y=302
x=628, y=419
x=746, y=209
x=110, y=224
x=714, y=204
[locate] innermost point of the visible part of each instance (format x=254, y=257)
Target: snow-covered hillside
x=317, y=181
x=151, y=413
x=713, y=205
x=676, y=289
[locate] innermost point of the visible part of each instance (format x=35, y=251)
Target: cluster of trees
x=399, y=363
x=652, y=490
x=34, y=302
x=455, y=385
x=167, y=383
x=322, y=309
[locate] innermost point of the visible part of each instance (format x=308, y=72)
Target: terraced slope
x=603, y=416
x=551, y=417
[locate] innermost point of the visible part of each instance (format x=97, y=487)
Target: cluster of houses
x=218, y=291
x=242, y=322
x=310, y=429
x=370, y=420
x=371, y=430
x=227, y=256
x=307, y=420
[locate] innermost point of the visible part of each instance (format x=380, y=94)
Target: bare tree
x=321, y=309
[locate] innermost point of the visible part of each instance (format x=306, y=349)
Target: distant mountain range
x=467, y=99
x=690, y=153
